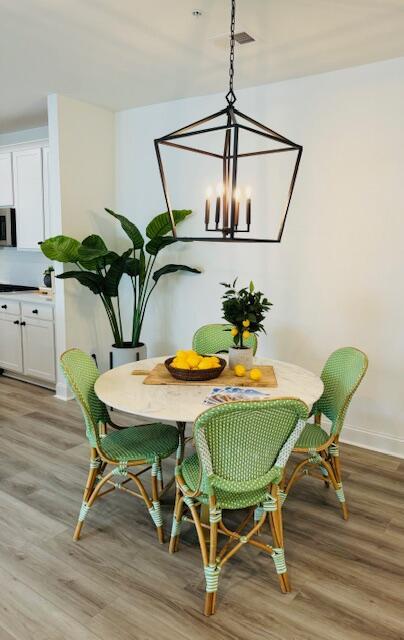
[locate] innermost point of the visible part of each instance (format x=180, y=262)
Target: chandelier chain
x=231, y=97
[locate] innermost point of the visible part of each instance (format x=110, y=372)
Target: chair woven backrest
x=81, y=373
x=216, y=338
x=241, y=442
x=341, y=376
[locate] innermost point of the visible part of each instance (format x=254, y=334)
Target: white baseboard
x=29, y=380
x=382, y=442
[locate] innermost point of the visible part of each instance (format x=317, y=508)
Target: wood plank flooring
x=117, y=582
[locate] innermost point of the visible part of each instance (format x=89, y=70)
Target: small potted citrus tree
x=245, y=310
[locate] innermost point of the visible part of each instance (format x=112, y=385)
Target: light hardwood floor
x=118, y=582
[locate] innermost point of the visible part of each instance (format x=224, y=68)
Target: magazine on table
x=232, y=394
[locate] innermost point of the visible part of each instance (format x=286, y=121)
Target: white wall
x=336, y=277
x=82, y=183
x=22, y=267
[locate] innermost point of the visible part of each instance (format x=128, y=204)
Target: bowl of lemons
x=191, y=366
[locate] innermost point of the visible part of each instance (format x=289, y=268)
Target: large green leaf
x=93, y=252
x=61, y=248
x=132, y=267
x=130, y=229
x=115, y=273
x=158, y=243
x=92, y=281
x=160, y=225
x=172, y=268
x=91, y=248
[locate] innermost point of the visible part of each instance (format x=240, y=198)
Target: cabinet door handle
x=22, y=323
x=35, y=311
x=16, y=322
x=4, y=306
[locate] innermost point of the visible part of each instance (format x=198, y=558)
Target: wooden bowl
x=195, y=375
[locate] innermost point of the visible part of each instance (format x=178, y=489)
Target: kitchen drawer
x=40, y=311
x=9, y=307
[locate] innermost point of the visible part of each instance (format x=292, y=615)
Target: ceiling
x=121, y=53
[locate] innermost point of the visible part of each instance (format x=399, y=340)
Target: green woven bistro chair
x=216, y=338
x=241, y=451
x=123, y=448
x=342, y=374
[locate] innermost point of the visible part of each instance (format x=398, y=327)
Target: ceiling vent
x=243, y=37
x=222, y=41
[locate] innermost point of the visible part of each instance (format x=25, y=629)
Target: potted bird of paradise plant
x=245, y=309
x=101, y=270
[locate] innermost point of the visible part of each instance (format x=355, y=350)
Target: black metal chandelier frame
x=235, y=121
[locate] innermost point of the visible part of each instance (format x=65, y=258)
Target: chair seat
x=224, y=499
x=147, y=442
x=312, y=436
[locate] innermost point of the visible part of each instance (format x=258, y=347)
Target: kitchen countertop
x=35, y=297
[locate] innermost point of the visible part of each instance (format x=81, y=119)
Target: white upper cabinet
x=6, y=180
x=29, y=197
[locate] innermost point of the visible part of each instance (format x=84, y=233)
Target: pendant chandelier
x=224, y=140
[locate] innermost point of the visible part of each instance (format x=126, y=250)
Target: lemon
x=193, y=360
x=246, y=334
x=234, y=331
x=180, y=363
x=255, y=374
x=206, y=363
x=215, y=364
x=181, y=354
x=239, y=370
x=246, y=323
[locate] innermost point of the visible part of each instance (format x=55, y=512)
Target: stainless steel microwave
x=8, y=236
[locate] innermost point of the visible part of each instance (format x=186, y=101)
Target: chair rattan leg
x=86, y=505
x=323, y=454
x=94, y=470
x=181, y=445
x=212, y=570
x=294, y=477
x=177, y=519
x=336, y=482
x=156, y=509
x=336, y=465
x=275, y=518
x=160, y=479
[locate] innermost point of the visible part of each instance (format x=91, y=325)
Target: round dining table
x=122, y=388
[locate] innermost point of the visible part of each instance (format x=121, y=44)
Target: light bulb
x=209, y=192
x=219, y=189
x=248, y=193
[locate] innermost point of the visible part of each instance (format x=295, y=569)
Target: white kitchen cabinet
x=38, y=344
x=29, y=201
x=27, y=339
x=10, y=343
x=6, y=180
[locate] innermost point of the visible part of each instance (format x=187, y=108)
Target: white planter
x=125, y=355
x=242, y=356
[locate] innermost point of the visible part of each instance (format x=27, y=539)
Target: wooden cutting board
x=160, y=375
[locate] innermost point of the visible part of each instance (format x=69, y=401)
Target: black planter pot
x=47, y=280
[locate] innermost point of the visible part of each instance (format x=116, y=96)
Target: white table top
x=121, y=390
